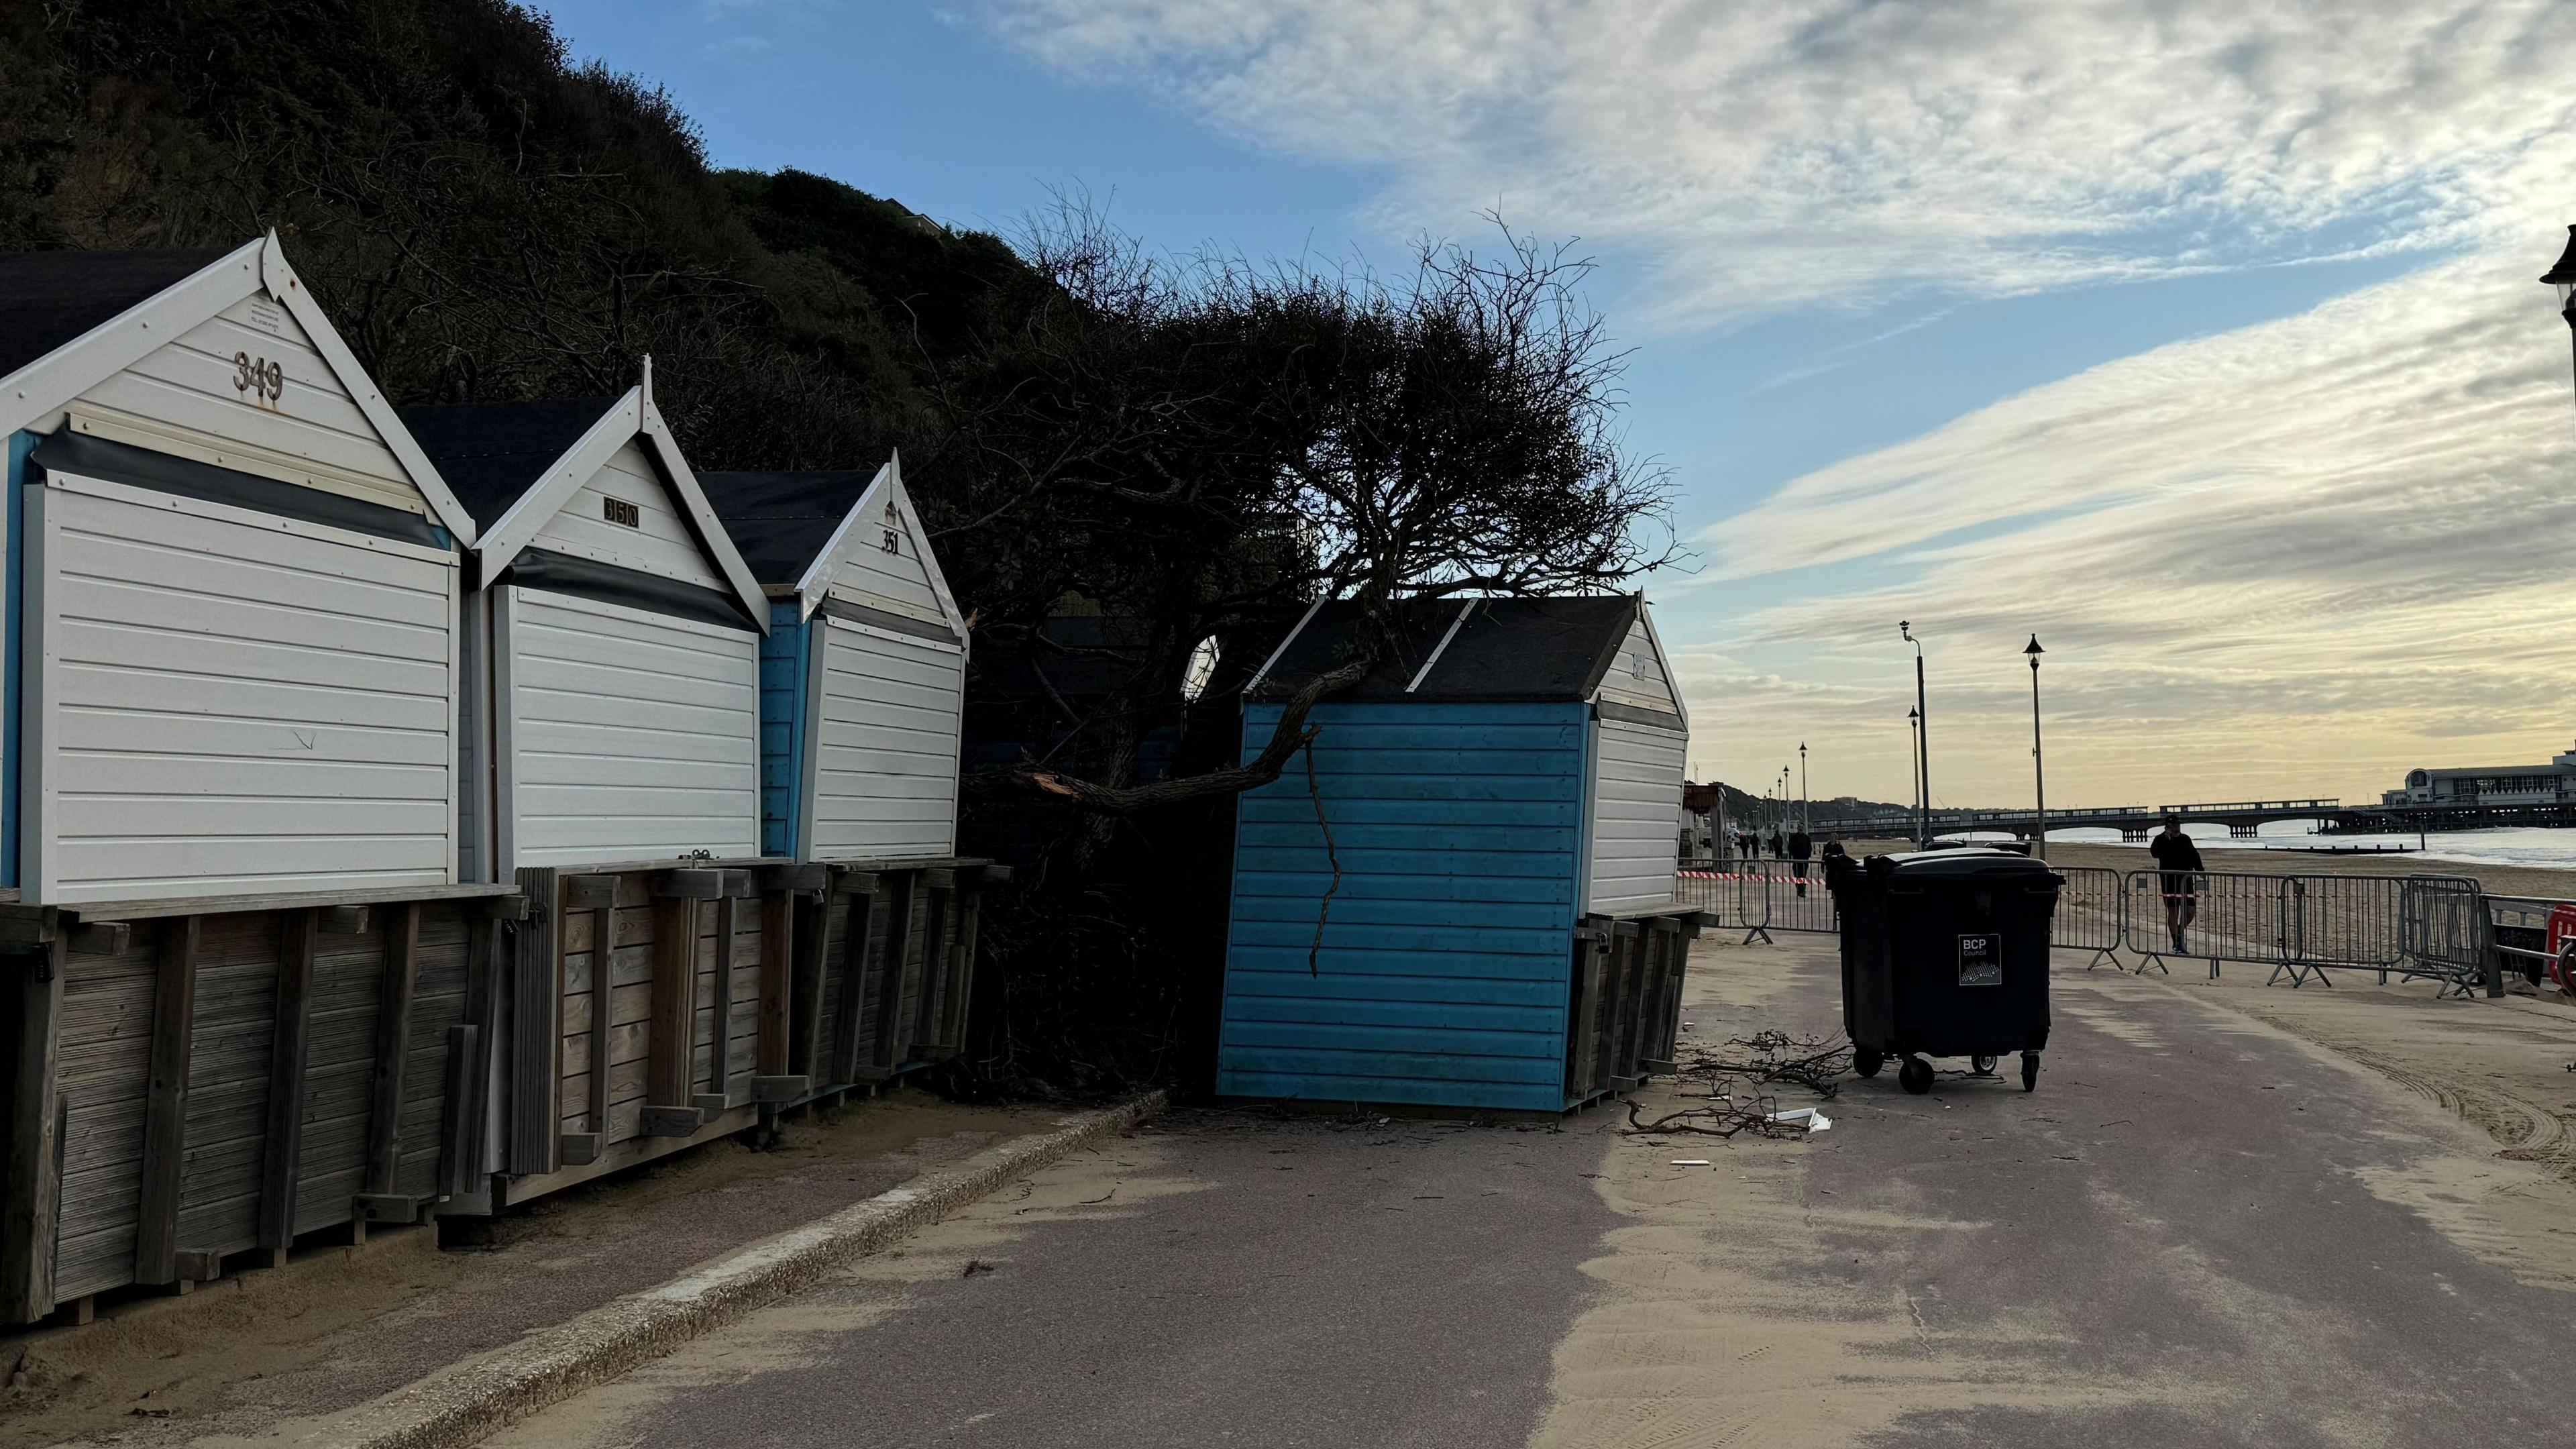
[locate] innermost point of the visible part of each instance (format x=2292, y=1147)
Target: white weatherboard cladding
x=189, y=397
x=631, y=735
x=660, y=542
x=886, y=739
x=1637, y=675
x=1636, y=785
x=228, y=703
x=893, y=579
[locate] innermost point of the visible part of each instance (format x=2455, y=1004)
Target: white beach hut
x=232, y=639
x=618, y=717
x=864, y=675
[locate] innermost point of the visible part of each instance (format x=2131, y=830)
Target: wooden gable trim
x=1664, y=661
x=712, y=537
x=55, y=379
x=1303, y=620
x=512, y=532
x=887, y=485
x=288, y=288
x=827, y=565
x=929, y=555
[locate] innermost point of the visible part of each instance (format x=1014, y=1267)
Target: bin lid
x=1915, y=865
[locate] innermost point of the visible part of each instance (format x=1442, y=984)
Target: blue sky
x=2153, y=334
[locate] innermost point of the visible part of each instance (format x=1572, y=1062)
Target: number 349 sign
x=258, y=379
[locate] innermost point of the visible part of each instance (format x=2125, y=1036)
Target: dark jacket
x=2175, y=852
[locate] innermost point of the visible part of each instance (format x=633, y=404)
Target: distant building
x=2550, y=784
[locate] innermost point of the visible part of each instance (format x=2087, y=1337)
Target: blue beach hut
x=1462, y=895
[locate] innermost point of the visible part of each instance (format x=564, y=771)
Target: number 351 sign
x=258, y=380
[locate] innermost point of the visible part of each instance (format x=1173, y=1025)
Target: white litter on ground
x=1816, y=1121
x=1690, y=1162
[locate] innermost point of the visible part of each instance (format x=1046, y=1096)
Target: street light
x=2038, y=778
x=1806, y=817
x=1922, y=740
x=1913, y=733
x=2562, y=277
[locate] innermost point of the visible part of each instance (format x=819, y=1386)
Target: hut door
x=228, y=702
x=632, y=735
x=885, y=758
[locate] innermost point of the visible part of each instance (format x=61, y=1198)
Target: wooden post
x=536, y=1026
x=1653, y=1049
x=292, y=1021
x=393, y=1043
x=599, y=893
x=961, y=991
x=1614, y=985
x=939, y=895
x=860, y=964
x=806, y=1049
x=165, y=1103
x=718, y=1095
x=667, y=1109
x=777, y=972
x=31, y=1187
x=893, y=1041
x=482, y=1013
x=1583, y=1024
x=460, y=1108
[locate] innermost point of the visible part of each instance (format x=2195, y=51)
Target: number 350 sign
x=258, y=380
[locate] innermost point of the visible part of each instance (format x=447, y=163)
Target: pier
x=2242, y=818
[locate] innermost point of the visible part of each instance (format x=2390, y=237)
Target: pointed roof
x=782, y=522
x=71, y=320
x=788, y=519
x=49, y=298
x=493, y=453
x=526, y=486
x=1465, y=651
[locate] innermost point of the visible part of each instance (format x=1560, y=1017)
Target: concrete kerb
x=472, y=1400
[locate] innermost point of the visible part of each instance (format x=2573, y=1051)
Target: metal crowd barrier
x=1758, y=897
x=2301, y=926
x=2091, y=914
x=2304, y=925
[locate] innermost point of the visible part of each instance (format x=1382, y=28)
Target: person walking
x=1800, y=849
x=2179, y=860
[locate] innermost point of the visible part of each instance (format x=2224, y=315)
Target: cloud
x=1781, y=152
x=2294, y=557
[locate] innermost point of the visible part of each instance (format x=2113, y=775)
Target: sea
x=2512, y=845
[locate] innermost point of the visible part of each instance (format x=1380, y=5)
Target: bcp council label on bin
x=1981, y=959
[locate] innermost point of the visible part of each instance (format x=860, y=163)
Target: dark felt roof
x=49, y=298
x=1509, y=650
x=780, y=521
x=491, y=453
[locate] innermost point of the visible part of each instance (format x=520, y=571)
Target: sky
x=2200, y=338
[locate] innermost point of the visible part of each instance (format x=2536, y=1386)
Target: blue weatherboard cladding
x=782, y=726
x=1445, y=966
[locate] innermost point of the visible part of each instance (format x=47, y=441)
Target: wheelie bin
x=1944, y=954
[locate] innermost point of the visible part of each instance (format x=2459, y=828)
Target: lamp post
x=1913, y=740
x=1922, y=740
x=2563, y=278
x=1806, y=819
x=2038, y=774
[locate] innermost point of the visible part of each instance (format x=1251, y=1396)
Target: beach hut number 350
x=258, y=380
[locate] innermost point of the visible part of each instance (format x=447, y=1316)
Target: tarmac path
x=2200, y=1230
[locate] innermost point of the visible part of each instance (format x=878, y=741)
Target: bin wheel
x=1985, y=1065
x=1867, y=1062
x=2030, y=1071
x=1915, y=1076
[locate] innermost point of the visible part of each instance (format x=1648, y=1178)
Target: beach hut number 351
x=258, y=380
